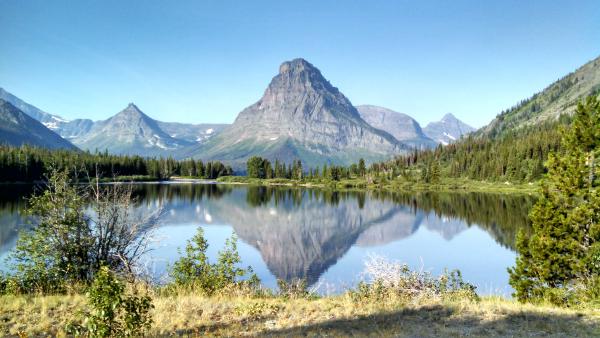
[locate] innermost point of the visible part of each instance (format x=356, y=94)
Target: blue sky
x=204, y=61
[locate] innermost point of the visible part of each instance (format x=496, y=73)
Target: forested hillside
x=517, y=156
x=561, y=97
x=515, y=145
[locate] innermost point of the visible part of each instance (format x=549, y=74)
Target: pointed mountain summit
x=129, y=132
x=301, y=115
x=447, y=130
x=403, y=127
x=18, y=128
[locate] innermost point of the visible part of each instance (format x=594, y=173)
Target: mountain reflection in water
x=306, y=233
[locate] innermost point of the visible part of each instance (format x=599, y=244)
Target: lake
x=320, y=235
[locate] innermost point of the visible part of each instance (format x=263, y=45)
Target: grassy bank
x=196, y=315
x=464, y=185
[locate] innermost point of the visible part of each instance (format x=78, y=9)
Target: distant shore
x=457, y=185
x=446, y=185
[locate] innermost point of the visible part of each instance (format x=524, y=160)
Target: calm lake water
x=323, y=236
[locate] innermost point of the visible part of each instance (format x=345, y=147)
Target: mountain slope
x=18, y=128
x=191, y=132
x=301, y=115
x=129, y=132
x=75, y=128
x=49, y=120
x=561, y=97
x=447, y=130
x=403, y=127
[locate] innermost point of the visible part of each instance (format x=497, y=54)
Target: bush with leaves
x=194, y=271
x=111, y=312
x=77, y=229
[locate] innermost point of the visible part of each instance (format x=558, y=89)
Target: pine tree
x=434, y=172
x=566, y=219
x=362, y=168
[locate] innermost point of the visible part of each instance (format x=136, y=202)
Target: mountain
x=18, y=128
x=65, y=128
x=49, y=120
x=301, y=115
x=403, y=127
x=191, y=132
x=75, y=128
x=559, y=98
x=129, y=132
x=447, y=130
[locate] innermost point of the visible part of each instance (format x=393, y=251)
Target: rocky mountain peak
x=131, y=117
x=449, y=117
x=301, y=115
x=129, y=132
x=448, y=129
x=131, y=110
x=298, y=77
x=296, y=66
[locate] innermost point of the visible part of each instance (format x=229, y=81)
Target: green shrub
x=77, y=229
x=365, y=292
x=194, y=271
x=452, y=285
x=592, y=260
x=112, y=313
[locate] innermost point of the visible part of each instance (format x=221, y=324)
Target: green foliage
x=57, y=250
x=562, y=251
x=258, y=167
x=362, y=168
x=113, y=313
x=255, y=167
x=517, y=156
x=28, y=164
x=67, y=246
x=193, y=270
x=9, y=285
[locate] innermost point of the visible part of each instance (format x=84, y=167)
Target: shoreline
x=459, y=185
x=449, y=185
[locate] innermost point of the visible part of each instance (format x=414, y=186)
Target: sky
x=205, y=61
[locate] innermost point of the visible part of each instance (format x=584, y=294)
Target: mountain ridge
x=558, y=98
x=402, y=126
x=130, y=132
x=51, y=121
x=18, y=128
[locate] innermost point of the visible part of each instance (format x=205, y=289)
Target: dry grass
x=194, y=315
